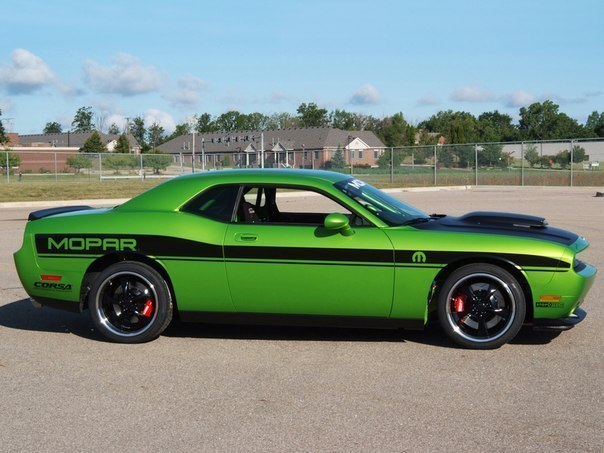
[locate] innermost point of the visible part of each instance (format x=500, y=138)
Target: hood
x=500, y=223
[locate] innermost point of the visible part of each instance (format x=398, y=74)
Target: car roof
x=172, y=194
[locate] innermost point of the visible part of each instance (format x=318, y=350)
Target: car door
x=281, y=259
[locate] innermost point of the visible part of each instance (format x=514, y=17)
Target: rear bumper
x=65, y=305
x=560, y=324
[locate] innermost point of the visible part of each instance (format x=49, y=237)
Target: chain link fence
x=546, y=163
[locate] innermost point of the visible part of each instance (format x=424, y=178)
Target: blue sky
x=167, y=61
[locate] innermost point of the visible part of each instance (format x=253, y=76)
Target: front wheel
x=130, y=303
x=481, y=306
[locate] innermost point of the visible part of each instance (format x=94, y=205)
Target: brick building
x=312, y=147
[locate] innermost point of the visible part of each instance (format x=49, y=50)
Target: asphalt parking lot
x=229, y=388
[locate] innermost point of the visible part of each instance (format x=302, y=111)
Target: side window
x=286, y=205
x=217, y=203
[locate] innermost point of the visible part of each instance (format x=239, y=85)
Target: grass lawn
x=81, y=187
x=73, y=190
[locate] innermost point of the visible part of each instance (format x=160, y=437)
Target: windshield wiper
x=417, y=220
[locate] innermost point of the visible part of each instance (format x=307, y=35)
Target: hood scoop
x=502, y=219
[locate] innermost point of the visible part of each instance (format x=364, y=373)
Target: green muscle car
x=301, y=247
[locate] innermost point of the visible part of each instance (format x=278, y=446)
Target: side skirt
x=362, y=322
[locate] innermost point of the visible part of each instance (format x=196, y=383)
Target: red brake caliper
x=148, y=309
x=459, y=303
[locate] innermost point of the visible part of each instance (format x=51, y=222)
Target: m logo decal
x=418, y=257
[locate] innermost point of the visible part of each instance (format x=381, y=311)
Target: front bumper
x=558, y=325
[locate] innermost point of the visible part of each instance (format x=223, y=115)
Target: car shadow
x=21, y=315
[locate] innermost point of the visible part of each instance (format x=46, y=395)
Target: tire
x=130, y=302
x=481, y=306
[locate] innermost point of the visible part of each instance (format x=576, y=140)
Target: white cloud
x=126, y=76
x=520, y=98
x=187, y=93
x=472, y=93
x=428, y=100
x=26, y=73
x=69, y=90
x=117, y=119
x=164, y=119
x=366, y=95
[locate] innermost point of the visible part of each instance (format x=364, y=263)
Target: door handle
x=246, y=237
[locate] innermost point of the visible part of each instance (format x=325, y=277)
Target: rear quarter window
x=217, y=203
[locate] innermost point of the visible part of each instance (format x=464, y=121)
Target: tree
x=579, y=154
x=457, y=127
x=180, y=129
x=445, y=156
x=337, y=161
x=53, y=128
x=531, y=155
x=387, y=158
x=3, y=137
x=595, y=124
x=123, y=145
x=542, y=121
x=495, y=127
x=562, y=158
x=156, y=135
x=157, y=161
x=94, y=144
x=466, y=155
x=113, y=129
x=394, y=131
x=363, y=122
x=82, y=121
x=310, y=115
x=139, y=132
x=341, y=119
x=79, y=162
x=282, y=120
x=205, y=123
x=118, y=161
x=13, y=160
x=491, y=155
x=255, y=121
x=228, y=121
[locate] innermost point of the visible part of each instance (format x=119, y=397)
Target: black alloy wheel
x=130, y=303
x=481, y=306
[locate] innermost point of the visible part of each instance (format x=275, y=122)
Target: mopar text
x=91, y=244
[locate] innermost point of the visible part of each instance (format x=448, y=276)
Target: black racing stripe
x=311, y=263
x=406, y=256
x=175, y=248
x=153, y=245
x=305, y=254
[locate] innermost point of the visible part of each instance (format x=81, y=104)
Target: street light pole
x=193, y=155
x=262, y=149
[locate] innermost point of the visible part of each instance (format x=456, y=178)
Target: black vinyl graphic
x=75, y=245
x=100, y=244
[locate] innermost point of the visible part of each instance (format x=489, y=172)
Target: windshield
x=389, y=209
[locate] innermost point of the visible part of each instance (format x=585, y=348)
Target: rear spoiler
x=36, y=215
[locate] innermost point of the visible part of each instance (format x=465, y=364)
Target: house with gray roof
x=73, y=140
x=312, y=147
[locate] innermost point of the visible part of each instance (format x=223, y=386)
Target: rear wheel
x=130, y=303
x=481, y=306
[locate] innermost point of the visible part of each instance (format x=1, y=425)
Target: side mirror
x=338, y=222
